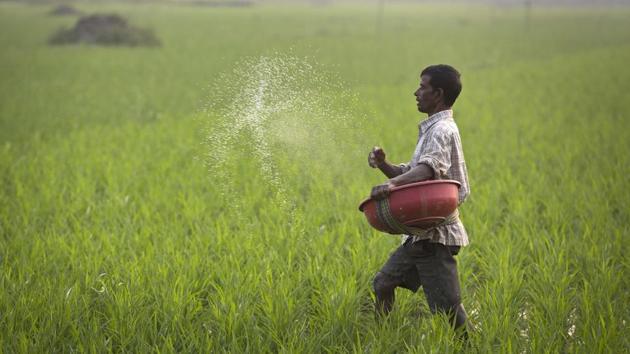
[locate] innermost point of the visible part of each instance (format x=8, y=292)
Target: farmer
x=427, y=259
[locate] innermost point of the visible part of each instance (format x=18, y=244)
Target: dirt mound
x=105, y=29
x=64, y=10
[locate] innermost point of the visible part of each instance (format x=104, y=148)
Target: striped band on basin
x=384, y=214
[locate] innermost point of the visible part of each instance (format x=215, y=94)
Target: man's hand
x=381, y=191
x=376, y=157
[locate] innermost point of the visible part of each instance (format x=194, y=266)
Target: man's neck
x=437, y=109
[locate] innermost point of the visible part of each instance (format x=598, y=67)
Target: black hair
x=447, y=78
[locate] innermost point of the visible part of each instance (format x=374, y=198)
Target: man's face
x=425, y=95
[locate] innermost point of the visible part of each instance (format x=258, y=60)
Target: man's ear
x=439, y=94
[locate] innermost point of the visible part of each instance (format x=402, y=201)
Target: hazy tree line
x=525, y=3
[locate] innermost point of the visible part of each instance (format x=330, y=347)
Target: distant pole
x=528, y=12
x=379, y=20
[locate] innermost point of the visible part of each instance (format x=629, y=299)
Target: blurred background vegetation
x=115, y=236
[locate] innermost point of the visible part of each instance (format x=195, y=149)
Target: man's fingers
x=374, y=194
x=376, y=157
x=378, y=153
x=380, y=192
x=372, y=159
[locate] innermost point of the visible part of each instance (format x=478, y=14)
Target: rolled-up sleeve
x=436, y=152
x=405, y=167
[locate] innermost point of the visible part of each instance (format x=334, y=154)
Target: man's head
x=439, y=88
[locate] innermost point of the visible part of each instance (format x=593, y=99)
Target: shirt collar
x=427, y=123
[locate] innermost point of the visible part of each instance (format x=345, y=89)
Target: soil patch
x=105, y=29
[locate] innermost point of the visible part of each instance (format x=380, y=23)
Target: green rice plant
x=116, y=236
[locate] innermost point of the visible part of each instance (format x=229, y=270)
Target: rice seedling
x=118, y=235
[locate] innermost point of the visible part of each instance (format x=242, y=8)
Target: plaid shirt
x=440, y=147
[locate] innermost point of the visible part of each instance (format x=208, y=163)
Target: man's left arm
x=422, y=172
x=432, y=164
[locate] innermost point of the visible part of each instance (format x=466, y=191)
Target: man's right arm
x=390, y=170
x=376, y=158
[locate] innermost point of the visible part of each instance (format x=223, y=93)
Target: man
x=427, y=259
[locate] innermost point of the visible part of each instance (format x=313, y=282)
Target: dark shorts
x=430, y=265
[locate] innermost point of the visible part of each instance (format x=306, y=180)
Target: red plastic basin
x=419, y=205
